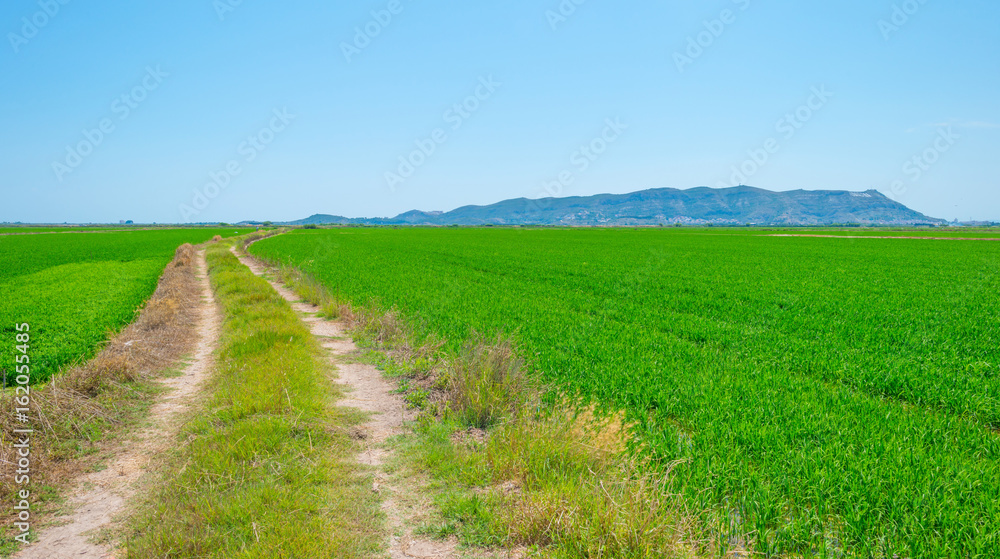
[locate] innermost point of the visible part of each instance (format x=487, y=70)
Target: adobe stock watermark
x=23, y=432
x=225, y=7
x=915, y=167
x=699, y=43
x=32, y=25
x=121, y=109
x=455, y=117
x=562, y=12
x=365, y=34
x=787, y=126
x=579, y=161
x=248, y=150
x=900, y=16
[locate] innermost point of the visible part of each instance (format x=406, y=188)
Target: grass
x=557, y=484
x=512, y=469
x=818, y=396
x=66, y=229
x=267, y=468
x=76, y=291
x=508, y=470
x=79, y=415
x=486, y=383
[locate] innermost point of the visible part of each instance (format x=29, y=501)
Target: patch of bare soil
x=367, y=390
x=99, y=497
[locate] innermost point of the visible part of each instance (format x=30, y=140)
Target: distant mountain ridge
x=741, y=205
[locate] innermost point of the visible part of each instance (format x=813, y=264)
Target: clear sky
x=202, y=110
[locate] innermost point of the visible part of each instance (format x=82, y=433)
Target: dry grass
x=384, y=330
x=80, y=409
x=558, y=480
x=159, y=336
x=581, y=492
x=486, y=383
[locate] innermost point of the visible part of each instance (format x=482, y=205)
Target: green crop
x=64, y=229
x=823, y=396
x=74, y=289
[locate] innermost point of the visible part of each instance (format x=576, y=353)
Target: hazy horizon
x=433, y=211
x=223, y=110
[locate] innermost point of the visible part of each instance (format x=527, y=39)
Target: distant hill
x=326, y=219
x=741, y=205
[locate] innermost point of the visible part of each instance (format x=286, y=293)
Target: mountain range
x=741, y=205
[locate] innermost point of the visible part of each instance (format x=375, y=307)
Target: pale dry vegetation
x=80, y=410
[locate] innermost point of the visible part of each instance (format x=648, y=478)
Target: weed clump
x=486, y=383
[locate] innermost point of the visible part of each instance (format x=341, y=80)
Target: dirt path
x=367, y=390
x=100, y=496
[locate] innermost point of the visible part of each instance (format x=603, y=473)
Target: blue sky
x=202, y=110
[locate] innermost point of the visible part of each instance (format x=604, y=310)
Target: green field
x=93, y=228
x=75, y=289
x=932, y=233
x=26, y=230
x=825, y=396
x=67, y=229
x=937, y=232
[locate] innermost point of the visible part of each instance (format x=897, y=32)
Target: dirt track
x=99, y=497
x=367, y=390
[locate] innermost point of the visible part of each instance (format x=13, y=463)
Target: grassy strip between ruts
x=267, y=468
x=508, y=470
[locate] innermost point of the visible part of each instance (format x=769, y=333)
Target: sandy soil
x=101, y=496
x=367, y=390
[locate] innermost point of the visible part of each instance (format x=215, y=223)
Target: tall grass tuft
x=487, y=381
x=559, y=481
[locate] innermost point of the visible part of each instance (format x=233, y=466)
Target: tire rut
x=368, y=391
